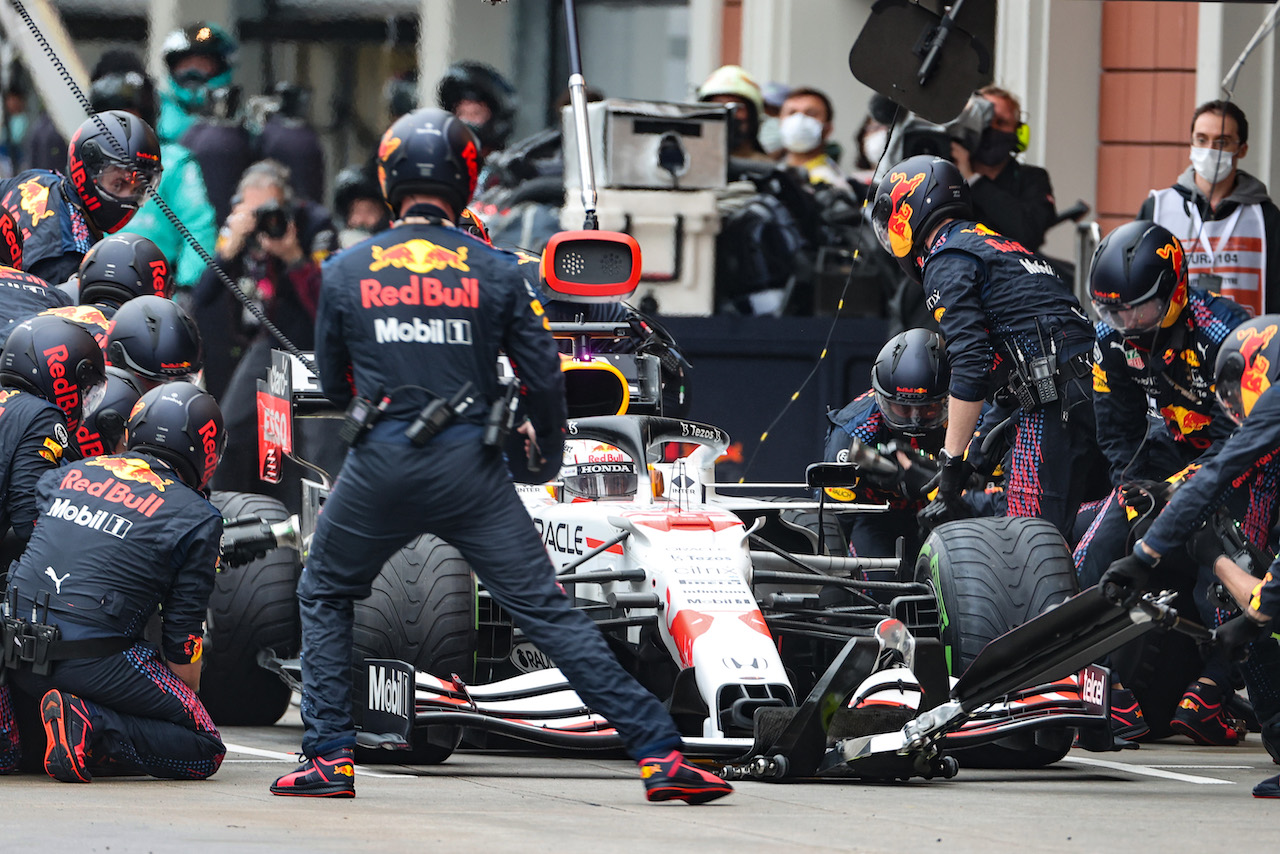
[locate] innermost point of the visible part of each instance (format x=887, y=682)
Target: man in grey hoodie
x=1228, y=225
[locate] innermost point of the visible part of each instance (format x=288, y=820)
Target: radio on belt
x=437, y=415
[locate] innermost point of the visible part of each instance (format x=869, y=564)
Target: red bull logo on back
x=418, y=256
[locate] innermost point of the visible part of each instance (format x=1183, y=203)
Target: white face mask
x=800, y=133
x=874, y=144
x=1212, y=164
x=770, y=135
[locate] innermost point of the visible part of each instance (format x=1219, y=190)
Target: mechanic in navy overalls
x=1013, y=329
x=418, y=314
x=1158, y=340
x=111, y=160
x=1247, y=368
x=118, y=536
x=22, y=295
x=35, y=438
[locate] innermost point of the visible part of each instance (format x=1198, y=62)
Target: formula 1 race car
x=779, y=663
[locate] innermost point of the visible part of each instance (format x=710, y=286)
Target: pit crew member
x=1012, y=328
x=1247, y=366
x=112, y=158
x=119, y=268
x=1157, y=342
x=117, y=536
x=418, y=314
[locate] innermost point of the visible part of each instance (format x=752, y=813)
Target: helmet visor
x=602, y=480
x=93, y=396
x=1227, y=388
x=880, y=214
x=914, y=419
x=126, y=184
x=1133, y=318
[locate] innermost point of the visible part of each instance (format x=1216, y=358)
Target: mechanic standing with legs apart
x=417, y=314
x=1014, y=333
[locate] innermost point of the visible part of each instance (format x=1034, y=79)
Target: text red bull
x=113, y=491
x=421, y=290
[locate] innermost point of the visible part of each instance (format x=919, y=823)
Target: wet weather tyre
x=990, y=576
x=252, y=608
x=422, y=611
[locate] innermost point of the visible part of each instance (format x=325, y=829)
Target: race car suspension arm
x=598, y=550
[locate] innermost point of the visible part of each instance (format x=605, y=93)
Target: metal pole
x=582, y=133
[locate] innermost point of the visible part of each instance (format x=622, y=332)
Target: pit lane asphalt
x=1169, y=796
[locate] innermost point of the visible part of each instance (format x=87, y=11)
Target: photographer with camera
x=1009, y=196
x=271, y=245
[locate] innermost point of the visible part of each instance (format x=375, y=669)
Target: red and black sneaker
x=671, y=778
x=330, y=775
x=1127, y=721
x=1200, y=717
x=67, y=730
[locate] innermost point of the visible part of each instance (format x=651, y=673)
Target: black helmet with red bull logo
x=913, y=199
x=56, y=359
x=1248, y=364
x=155, y=339
x=911, y=378
x=431, y=152
x=10, y=241
x=1138, y=281
x=181, y=424
x=102, y=429
x=121, y=267
x=112, y=158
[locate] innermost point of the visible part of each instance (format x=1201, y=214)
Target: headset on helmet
x=58, y=360
x=428, y=151
x=1248, y=364
x=121, y=267
x=594, y=470
x=182, y=425
x=1138, y=280
x=156, y=339
x=475, y=81
x=112, y=158
x=913, y=198
x=10, y=241
x=102, y=428
x=911, y=379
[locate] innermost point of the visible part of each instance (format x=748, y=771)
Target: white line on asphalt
x=293, y=757
x=1149, y=771
x=1207, y=767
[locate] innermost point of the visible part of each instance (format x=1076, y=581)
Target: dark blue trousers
x=145, y=719
x=458, y=490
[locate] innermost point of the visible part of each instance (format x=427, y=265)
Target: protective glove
x=942, y=509
x=1145, y=496
x=1205, y=546
x=951, y=477
x=1235, y=635
x=1126, y=578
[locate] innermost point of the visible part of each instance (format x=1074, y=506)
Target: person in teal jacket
x=121, y=83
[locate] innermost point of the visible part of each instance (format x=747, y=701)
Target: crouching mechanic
x=1158, y=340
x=117, y=536
x=1247, y=367
x=387, y=329
x=1013, y=330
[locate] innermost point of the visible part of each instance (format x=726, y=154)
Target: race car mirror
x=595, y=388
x=591, y=266
x=824, y=475
x=925, y=61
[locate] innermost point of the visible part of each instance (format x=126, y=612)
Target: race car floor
x=1168, y=796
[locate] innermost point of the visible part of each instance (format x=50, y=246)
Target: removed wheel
x=422, y=611
x=990, y=576
x=252, y=608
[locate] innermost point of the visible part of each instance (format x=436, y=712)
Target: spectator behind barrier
x=1227, y=223
x=732, y=86
x=806, y=117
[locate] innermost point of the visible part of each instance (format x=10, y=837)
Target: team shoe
x=67, y=730
x=329, y=775
x=1200, y=717
x=671, y=778
x=1127, y=721
x=1268, y=788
